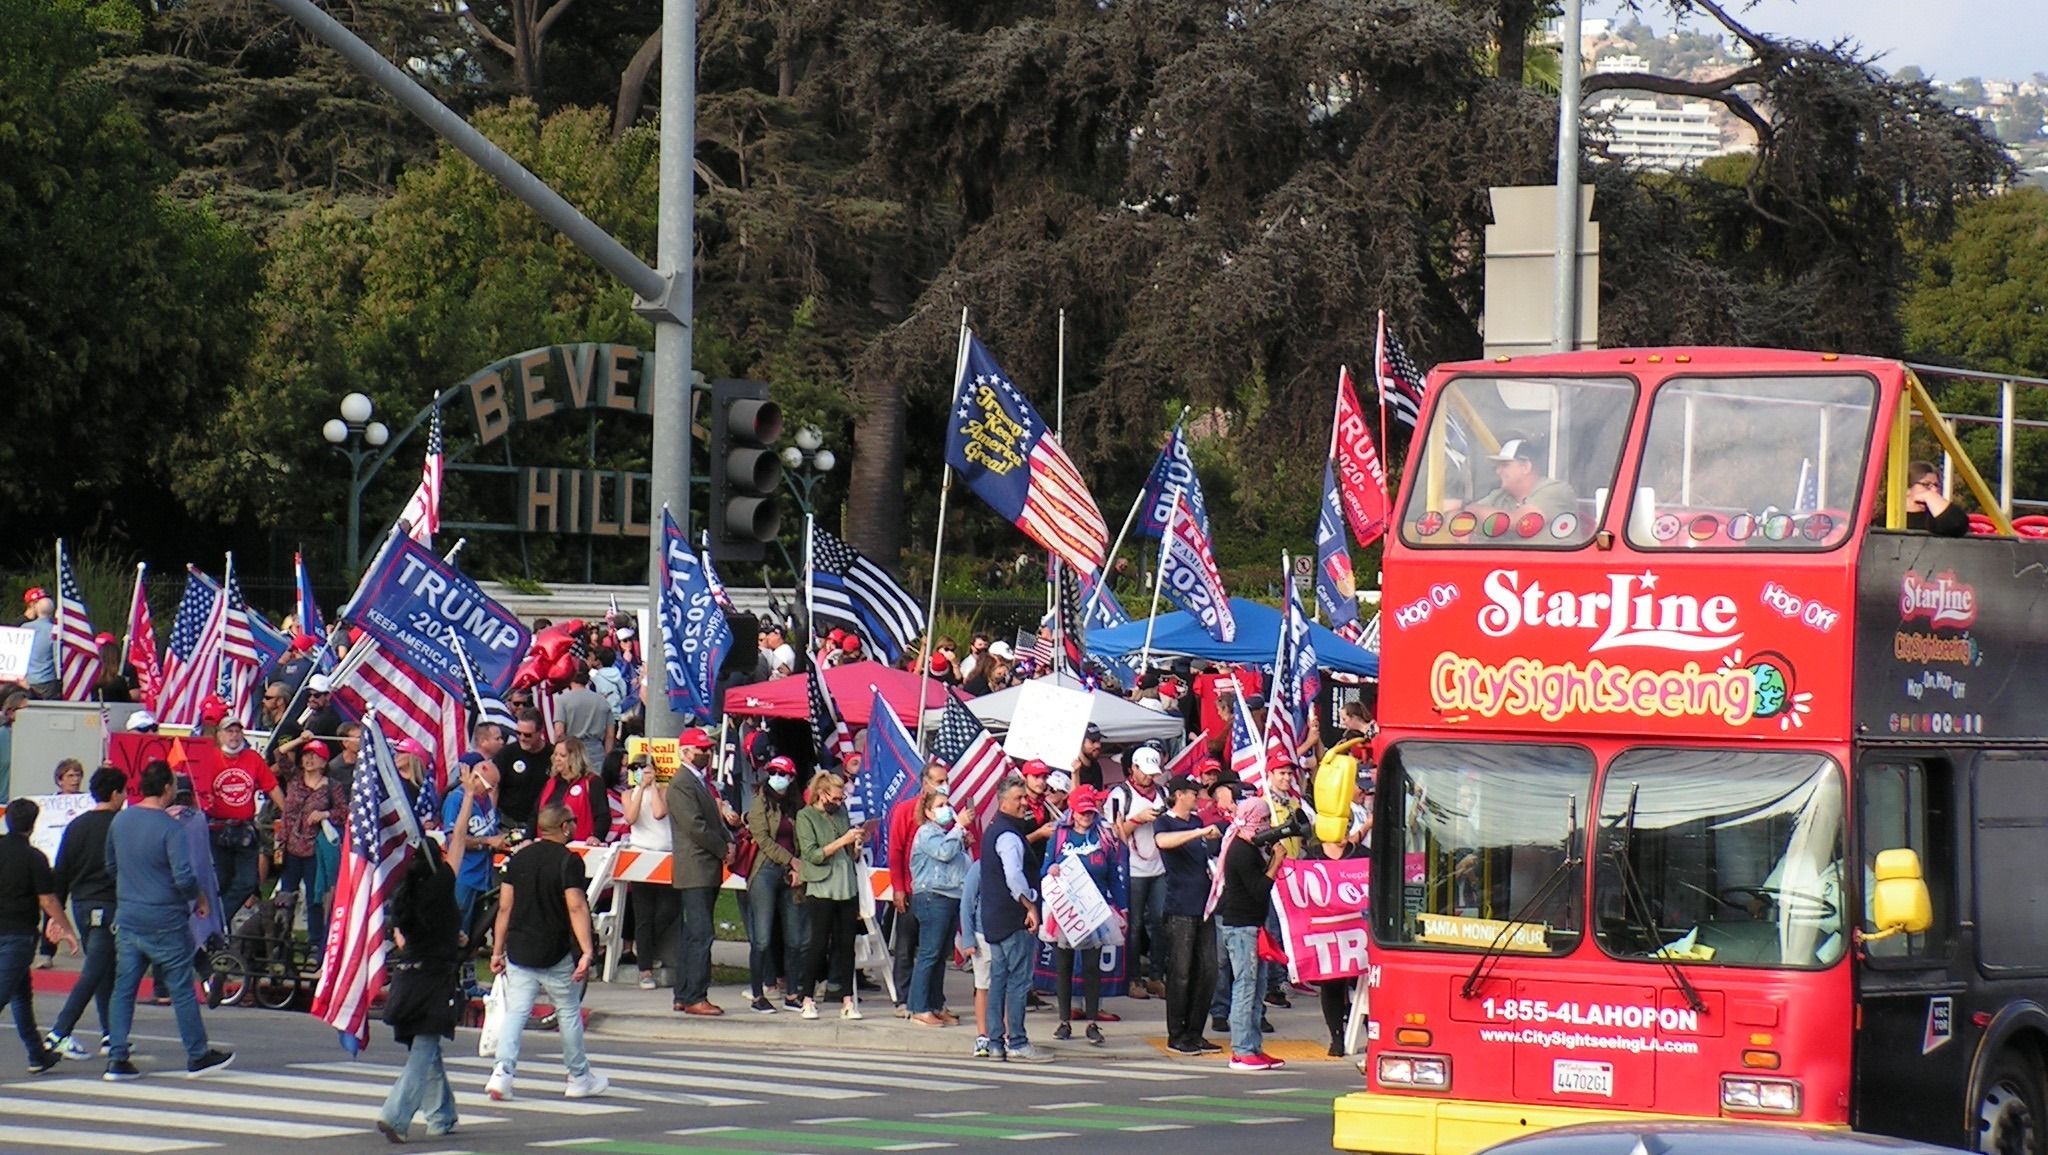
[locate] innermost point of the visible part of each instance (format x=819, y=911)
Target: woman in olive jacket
x=827, y=846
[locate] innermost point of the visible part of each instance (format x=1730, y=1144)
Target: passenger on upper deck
x=1928, y=509
x=1523, y=486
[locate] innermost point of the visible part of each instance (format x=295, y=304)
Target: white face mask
x=778, y=782
x=943, y=815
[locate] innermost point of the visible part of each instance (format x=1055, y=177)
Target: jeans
x=1147, y=956
x=298, y=875
x=17, y=956
x=656, y=909
x=937, y=916
x=906, y=936
x=1219, y=1001
x=465, y=910
x=1009, y=981
x=1241, y=945
x=693, y=957
x=235, y=869
x=829, y=946
x=95, y=925
x=770, y=910
x=136, y=951
x=1190, y=970
x=524, y=985
x=422, y=1085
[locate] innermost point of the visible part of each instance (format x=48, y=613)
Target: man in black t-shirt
x=1185, y=846
x=544, y=940
x=523, y=769
x=26, y=889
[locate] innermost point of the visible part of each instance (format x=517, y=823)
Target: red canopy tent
x=850, y=689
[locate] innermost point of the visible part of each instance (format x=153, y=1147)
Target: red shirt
x=229, y=786
x=903, y=823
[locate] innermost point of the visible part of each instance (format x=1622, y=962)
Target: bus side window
x=1903, y=806
x=2010, y=800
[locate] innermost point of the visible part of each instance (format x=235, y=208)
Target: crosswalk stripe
x=982, y=1070
x=107, y=1113
x=201, y=1100
x=765, y=1085
x=313, y=1086
x=33, y=1138
x=807, y=1072
x=971, y=1067
x=622, y=1094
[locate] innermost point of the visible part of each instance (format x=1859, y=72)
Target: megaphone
x=1336, y=778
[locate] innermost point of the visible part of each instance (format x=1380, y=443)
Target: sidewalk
x=622, y=1010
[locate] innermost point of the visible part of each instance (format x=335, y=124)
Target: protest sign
x=1323, y=923
x=1074, y=909
x=57, y=812
x=15, y=642
x=1049, y=723
x=418, y=608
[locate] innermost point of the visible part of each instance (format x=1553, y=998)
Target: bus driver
x=1523, y=487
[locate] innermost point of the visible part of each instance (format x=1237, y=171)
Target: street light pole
x=806, y=464
x=355, y=436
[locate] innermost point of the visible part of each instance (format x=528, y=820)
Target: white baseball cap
x=1513, y=449
x=1145, y=758
x=141, y=722
x=1000, y=649
x=319, y=684
x=1059, y=780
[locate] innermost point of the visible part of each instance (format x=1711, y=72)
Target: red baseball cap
x=694, y=738
x=850, y=643
x=1084, y=800
x=103, y=639
x=939, y=663
x=211, y=711
x=34, y=595
x=316, y=746
x=303, y=642
x=1036, y=768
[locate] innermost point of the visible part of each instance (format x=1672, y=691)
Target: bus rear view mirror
x=1899, y=901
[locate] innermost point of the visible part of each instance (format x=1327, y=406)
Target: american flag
x=1073, y=619
x=1190, y=757
x=486, y=708
x=850, y=590
x=141, y=652
x=240, y=659
x=422, y=516
x=407, y=701
x=1247, y=755
x=1369, y=638
x=830, y=735
x=977, y=759
x=1806, y=501
x=1400, y=380
x=193, y=664
x=380, y=831
x=78, y=656
x=1008, y=456
x=1032, y=645
x=307, y=607
x=1294, y=683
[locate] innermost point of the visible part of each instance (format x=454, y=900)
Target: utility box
x=46, y=733
x=1521, y=278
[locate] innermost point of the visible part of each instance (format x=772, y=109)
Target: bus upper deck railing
x=2006, y=421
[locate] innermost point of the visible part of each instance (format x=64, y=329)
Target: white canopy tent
x=1122, y=722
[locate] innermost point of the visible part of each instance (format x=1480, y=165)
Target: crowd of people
x=1183, y=863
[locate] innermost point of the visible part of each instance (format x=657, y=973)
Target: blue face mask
x=943, y=815
x=778, y=782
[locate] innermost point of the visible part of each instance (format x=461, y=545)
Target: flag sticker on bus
x=1941, y=1024
x=1577, y=1077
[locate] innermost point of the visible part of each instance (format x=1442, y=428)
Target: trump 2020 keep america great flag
x=1010, y=458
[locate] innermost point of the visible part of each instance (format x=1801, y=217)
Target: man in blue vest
x=1009, y=923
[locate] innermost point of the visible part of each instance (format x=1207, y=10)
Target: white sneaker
x=849, y=1013
x=810, y=1010
x=589, y=1085
x=67, y=1046
x=499, y=1088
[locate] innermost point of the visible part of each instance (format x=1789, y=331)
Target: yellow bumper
x=1409, y=1125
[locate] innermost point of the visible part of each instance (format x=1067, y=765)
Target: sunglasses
x=529, y=733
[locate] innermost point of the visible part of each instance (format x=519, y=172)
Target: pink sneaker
x=1272, y=1064
x=1252, y=1062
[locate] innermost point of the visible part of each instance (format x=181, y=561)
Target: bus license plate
x=1571, y=1077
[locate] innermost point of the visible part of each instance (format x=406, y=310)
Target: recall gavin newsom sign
x=417, y=607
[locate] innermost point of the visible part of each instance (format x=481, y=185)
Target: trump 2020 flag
x=1008, y=456
x=1172, y=475
x=1189, y=578
x=1358, y=465
x=1336, y=585
x=889, y=774
x=694, y=632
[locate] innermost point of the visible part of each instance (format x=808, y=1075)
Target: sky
x=1948, y=39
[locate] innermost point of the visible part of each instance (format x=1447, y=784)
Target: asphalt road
x=292, y=1087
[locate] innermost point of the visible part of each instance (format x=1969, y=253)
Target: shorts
x=982, y=962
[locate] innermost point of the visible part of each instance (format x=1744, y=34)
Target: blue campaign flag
x=889, y=774
x=1336, y=585
x=1189, y=578
x=694, y=633
x=1101, y=611
x=416, y=606
x=1172, y=475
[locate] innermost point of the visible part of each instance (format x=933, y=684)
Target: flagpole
x=1279, y=654
x=1130, y=519
x=1158, y=582
x=931, y=611
x=810, y=591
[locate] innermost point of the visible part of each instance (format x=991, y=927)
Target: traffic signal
x=746, y=512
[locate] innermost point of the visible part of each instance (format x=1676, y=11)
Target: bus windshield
x=1519, y=461
x=1485, y=847
x=1753, y=462
x=1721, y=857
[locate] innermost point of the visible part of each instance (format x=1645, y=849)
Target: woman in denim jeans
x=422, y=1003
x=771, y=901
x=938, y=871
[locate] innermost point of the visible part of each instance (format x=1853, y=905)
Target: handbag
x=1270, y=950
x=745, y=853
x=494, y=1021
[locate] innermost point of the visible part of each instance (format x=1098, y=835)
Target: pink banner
x=1322, y=907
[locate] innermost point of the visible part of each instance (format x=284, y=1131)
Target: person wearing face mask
x=827, y=844
x=1084, y=842
x=772, y=892
x=938, y=868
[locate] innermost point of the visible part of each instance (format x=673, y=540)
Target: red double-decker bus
x=1670, y=721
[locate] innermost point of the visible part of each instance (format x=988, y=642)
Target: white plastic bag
x=494, y=1020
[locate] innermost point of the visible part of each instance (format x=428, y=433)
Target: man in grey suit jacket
x=702, y=825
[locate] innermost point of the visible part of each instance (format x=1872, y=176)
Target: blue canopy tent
x=1258, y=634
